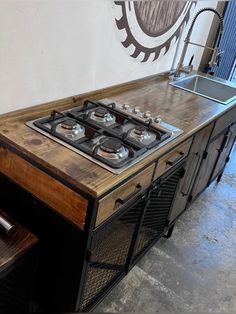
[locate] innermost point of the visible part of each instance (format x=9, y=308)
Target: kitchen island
x=95, y=225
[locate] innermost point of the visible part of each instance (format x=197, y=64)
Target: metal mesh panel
x=15, y=291
x=109, y=252
x=156, y=215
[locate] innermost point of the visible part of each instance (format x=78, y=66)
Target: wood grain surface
x=176, y=154
x=193, y=163
x=182, y=109
x=65, y=201
x=154, y=17
x=223, y=122
x=15, y=245
x=108, y=205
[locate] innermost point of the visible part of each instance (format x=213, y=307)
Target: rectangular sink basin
x=207, y=87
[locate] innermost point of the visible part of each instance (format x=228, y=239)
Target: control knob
x=125, y=106
x=136, y=110
x=157, y=119
x=147, y=114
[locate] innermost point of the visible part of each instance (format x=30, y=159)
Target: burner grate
x=112, y=123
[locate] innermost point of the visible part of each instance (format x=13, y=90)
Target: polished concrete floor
x=195, y=270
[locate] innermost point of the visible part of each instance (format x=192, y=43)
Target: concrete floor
x=195, y=270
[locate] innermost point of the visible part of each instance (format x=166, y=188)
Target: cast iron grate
x=156, y=214
x=109, y=252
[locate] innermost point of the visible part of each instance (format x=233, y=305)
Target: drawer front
x=111, y=203
x=224, y=122
x=170, y=159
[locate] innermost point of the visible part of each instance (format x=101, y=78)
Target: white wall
x=50, y=49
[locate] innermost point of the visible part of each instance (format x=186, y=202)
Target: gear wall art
x=151, y=27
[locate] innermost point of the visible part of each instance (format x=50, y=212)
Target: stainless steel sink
x=207, y=87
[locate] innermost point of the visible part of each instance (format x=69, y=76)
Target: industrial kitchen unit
x=93, y=225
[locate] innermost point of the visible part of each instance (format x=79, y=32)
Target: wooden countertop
x=182, y=109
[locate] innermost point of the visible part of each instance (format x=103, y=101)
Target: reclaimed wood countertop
x=184, y=110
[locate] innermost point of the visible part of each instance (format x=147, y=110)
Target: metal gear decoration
x=152, y=26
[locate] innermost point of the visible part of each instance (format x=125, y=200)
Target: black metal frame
x=130, y=262
x=84, y=237
x=101, y=228
x=158, y=184
x=62, y=248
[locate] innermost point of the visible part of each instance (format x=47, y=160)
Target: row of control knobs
x=146, y=114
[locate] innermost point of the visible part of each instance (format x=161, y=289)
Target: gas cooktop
x=113, y=135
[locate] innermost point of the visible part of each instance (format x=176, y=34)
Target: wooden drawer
x=170, y=159
x=115, y=200
x=224, y=122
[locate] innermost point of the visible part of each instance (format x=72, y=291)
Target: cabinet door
x=109, y=254
x=155, y=219
x=193, y=163
x=208, y=164
x=225, y=151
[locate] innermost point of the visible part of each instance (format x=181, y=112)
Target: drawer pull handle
x=6, y=226
x=136, y=192
x=224, y=142
x=175, y=160
x=228, y=137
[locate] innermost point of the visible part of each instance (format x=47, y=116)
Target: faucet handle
x=219, y=57
x=216, y=57
x=220, y=52
x=191, y=60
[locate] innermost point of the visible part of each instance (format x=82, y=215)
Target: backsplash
x=54, y=49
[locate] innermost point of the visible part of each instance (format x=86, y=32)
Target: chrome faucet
x=216, y=55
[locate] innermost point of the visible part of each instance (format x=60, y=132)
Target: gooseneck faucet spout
x=187, y=69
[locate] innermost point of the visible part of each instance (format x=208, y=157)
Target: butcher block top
x=177, y=107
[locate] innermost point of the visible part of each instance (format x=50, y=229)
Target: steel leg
x=169, y=232
x=219, y=177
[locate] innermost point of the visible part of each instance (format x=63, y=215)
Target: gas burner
x=113, y=135
x=102, y=115
x=140, y=134
x=112, y=148
x=69, y=124
x=71, y=129
x=101, y=112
